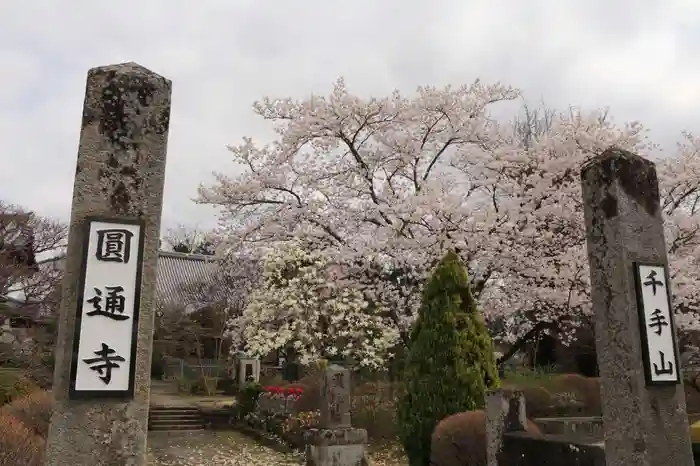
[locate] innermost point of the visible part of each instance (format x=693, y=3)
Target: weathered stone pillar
x=644, y=411
x=335, y=442
x=505, y=412
x=105, y=332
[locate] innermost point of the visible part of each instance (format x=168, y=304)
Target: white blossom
x=387, y=185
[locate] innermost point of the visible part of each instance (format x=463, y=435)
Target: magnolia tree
x=385, y=186
x=303, y=303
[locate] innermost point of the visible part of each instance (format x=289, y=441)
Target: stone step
x=173, y=413
x=174, y=420
x=176, y=427
x=196, y=414
x=173, y=409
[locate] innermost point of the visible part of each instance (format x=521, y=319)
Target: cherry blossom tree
x=190, y=240
x=679, y=179
x=384, y=186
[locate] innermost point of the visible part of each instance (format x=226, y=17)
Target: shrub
x=692, y=394
x=292, y=371
x=310, y=399
x=19, y=446
x=247, y=398
x=538, y=401
x=274, y=378
x=8, y=356
x=460, y=440
x=41, y=376
x=227, y=386
x=529, y=376
x=185, y=384
x=373, y=408
x=13, y=385
x=450, y=363
x=587, y=390
x=34, y=410
x=204, y=385
x=286, y=391
x=294, y=426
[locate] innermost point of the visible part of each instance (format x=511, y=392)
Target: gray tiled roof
x=181, y=279
x=184, y=279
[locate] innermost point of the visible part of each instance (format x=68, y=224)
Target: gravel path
x=208, y=448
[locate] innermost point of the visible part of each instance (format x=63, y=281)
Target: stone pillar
x=335, y=442
x=243, y=364
x=119, y=178
x=505, y=412
x=644, y=411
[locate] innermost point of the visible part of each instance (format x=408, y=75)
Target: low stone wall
x=508, y=443
x=588, y=428
x=520, y=449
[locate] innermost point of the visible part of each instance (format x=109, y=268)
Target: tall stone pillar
x=644, y=411
x=105, y=331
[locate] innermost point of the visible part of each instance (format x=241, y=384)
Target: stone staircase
x=175, y=418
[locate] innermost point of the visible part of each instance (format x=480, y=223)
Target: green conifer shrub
x=450, y=363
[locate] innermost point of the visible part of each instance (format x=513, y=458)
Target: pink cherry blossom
x=353, y=190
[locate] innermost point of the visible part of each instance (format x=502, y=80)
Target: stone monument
x=644, y=410
x=335, y=442
x=248, y=370
x=105, y=329
x=505, y=412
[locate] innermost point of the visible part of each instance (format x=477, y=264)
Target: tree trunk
x=527, y=338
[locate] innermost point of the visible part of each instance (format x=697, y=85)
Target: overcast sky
x=640, y=57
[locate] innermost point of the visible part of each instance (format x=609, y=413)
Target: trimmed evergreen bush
x=450, y=363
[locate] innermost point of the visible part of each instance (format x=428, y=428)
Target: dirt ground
x=209, y=448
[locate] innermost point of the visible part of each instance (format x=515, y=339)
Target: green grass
x=525, y=378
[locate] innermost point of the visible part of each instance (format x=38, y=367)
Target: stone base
x=336, y=447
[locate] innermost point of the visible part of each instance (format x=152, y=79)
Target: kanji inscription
x=108, y=310
x=656, y=321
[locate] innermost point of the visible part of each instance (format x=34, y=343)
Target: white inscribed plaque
x=109, y=305
x=656, y=323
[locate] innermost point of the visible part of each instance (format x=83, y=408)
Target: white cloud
x=635, y=56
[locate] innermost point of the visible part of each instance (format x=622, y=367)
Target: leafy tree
x=30, y=288
x=28, y=244
x=190, y=241
x=400, y=179
x=451, y=362
x=302, y=303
